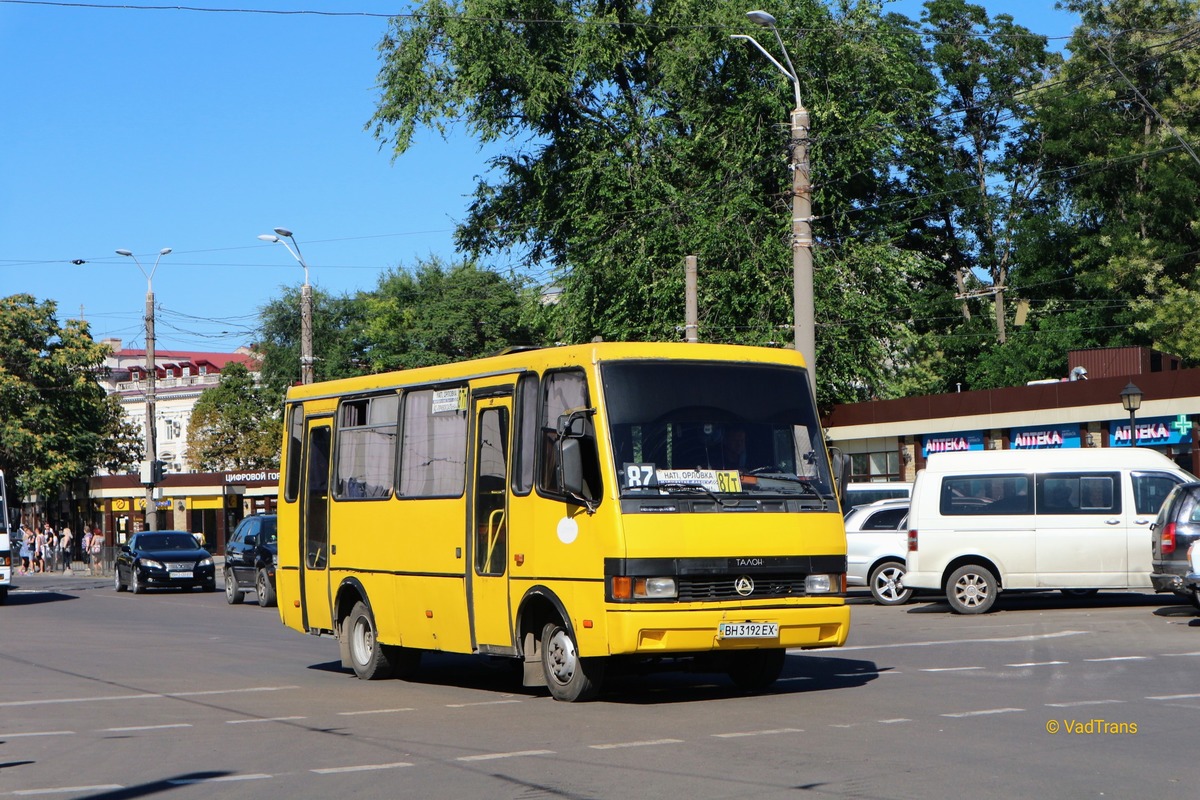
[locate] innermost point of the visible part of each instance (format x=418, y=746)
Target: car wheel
x=367, y=655
x=755, y=670
x=118, y=584
x=971, y=589
x=135, y=582
x=887, y=584
x=233, y=595
x=570, y=677
x=265, y=590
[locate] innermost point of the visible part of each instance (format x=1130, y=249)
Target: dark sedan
x=164, y=558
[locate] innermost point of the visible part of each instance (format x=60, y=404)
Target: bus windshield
x=716, y=428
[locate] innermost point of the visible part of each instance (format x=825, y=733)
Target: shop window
x=879, y=466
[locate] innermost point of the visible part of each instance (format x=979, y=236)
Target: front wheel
x=264, y=589
x=755, y=670
x=233, y=595
x=971, y=589
x=887, y=584
x=135, y=582
x=118, y=584
x=367, y=655
x=569, y=677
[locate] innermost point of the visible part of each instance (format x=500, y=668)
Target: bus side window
x=561, y=392
x=526, y=435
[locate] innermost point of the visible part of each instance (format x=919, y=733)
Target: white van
x=999, y=520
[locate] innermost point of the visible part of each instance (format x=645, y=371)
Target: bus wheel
x=569, y=677
x=971, y=589
x=367, y=656
x=755, y=670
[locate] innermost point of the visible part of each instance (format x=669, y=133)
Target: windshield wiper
x=694, y=487
x=764, y=472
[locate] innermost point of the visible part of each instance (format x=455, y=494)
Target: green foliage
x=56, y=424
x=337, y=340
x=234, y=425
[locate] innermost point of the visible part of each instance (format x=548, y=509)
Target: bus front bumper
x=659, y=631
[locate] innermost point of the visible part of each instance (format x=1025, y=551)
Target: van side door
x=1081, y=531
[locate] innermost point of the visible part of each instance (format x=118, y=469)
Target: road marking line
x=1038, y=664
x=984, y=712
x=37, y=733
x=106, y=787
x=481, y=703
x=648, y=743
x=257, y=776
x=949, y=669
x=517, y=754
x=771, y=732
x=1119, y=658
x=1084, y=703
x=998, y=640
x=143, y=696
x=1174, y=697
x=893, y=721
x=256, y=719
x=145, y=728
x=1177, y=655
x=372, y=711
x=361, y=768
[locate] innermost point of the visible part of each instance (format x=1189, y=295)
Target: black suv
x=251, y=556
x=1177, y=526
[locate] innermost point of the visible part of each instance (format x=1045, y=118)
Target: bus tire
x=569, y=677
x=367, y=656
x=971, y=589
x=755, y=670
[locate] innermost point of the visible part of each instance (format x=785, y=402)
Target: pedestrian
x=39, y=548
x=50, y=554
x=85, y=548
x=26, y=550
x=97, y=543
x=65, y=542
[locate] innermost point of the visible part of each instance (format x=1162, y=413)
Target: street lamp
x=306, y=343
x=1131, y=401
x=802, y=264
x=150, y=466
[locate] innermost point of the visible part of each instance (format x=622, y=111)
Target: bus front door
x=488, y=523
x=314, y=528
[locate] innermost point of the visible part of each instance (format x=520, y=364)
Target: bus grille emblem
x=744, y=586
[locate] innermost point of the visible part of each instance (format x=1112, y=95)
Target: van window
x=1150, y=489
x=1079, y=493
x=980, y=495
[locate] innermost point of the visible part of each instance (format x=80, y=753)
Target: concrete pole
x=691, y=315
x=802, y=260
x=306, y=333
x=151, y=432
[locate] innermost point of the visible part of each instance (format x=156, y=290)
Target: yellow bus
x=566, y=507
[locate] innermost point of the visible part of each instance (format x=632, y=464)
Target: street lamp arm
x=786, y=73
x=266, y=237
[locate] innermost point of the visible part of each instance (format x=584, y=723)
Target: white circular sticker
x=568, y=529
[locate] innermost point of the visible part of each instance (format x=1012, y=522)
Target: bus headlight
x=626, y=588
x=820, y=584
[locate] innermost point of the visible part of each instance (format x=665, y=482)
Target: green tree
x=436, y=314
x=337, y=339
x=233, y=425
x=644, y=134
x=55, y=422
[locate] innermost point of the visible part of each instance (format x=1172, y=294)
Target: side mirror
x=571, y=425
x=252, y=540
x=571, y=463
x=841, y=470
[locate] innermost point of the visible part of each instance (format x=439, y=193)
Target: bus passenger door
x=488, y=523
x=314, y=527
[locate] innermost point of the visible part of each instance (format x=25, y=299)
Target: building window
x=880, y=466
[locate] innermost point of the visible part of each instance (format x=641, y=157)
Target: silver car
x=877, y=549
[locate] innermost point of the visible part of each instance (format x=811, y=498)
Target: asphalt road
x=106, y=695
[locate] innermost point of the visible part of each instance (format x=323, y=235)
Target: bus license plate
x=748, y=630
x=181, y=574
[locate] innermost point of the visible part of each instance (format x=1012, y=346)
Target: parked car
x=876, y=549
x=163, y=559
x=251, y=555
x=1174, y=531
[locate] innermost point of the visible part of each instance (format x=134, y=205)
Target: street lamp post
x=306, y=342
x=804, y=317
x=150, y=466
x=1131, y=401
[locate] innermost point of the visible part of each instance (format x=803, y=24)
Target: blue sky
x=144, y=128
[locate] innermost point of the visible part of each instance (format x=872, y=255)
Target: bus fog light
x=819, y=584
x=655, y=588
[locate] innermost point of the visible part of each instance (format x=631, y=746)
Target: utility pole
x=691, y=325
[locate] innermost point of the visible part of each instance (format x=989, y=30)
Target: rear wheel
x=887, y=584
x=264, y=589
x=367, y=655
x=755, y=670
x=569, y=677
x=233, y=595
x=971, y=589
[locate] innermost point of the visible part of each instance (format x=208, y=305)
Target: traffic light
x=153, y=472
x=159, y=471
